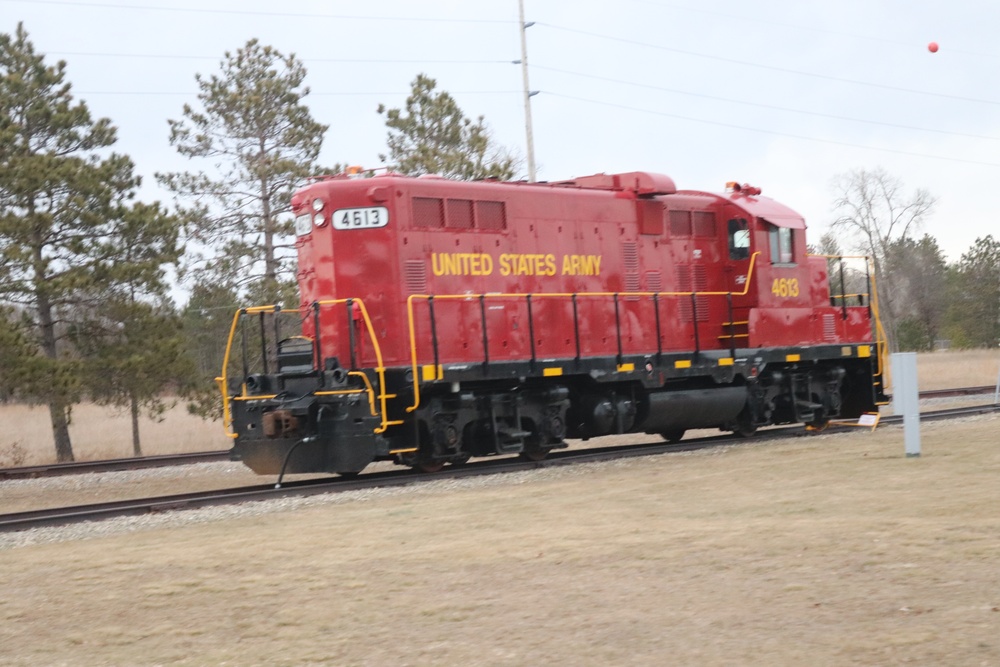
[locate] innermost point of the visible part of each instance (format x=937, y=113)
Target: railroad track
x=958, y=391
x=110, y=465
x=144, y=506
x=141, y=462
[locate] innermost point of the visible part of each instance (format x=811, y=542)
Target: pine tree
x=435, y=137
x=255, y=129
x=975, y=305
x=67, y=218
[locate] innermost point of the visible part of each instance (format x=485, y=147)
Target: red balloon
x=932, y=47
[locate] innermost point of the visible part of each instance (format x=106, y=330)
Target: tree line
x=85, y=291
x=925, y=301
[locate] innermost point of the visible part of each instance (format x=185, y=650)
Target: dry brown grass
x=103, y=433
x=827, y=550
x=965, y=368
x=100, y=433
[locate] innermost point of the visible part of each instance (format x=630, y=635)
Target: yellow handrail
x=522, y=295
x=379, y=368
x=881, y=339
x=223, y=380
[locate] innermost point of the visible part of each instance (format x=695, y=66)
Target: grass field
x=101, y=433
x=832, y=549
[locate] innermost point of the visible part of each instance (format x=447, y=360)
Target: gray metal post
x=906, y=398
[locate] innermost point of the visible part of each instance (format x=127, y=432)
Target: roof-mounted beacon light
x=745, y=189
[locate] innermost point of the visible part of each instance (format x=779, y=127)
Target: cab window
x=739, y=239
x=781, y=245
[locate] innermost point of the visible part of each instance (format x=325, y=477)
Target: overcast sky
x=784, y=94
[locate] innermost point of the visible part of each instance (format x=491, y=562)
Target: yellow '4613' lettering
x=785, y=287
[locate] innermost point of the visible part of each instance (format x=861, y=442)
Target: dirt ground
x=827, y=550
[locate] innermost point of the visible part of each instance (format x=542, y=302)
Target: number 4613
x=785, y=287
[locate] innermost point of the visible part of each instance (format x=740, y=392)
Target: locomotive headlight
x=317, y=205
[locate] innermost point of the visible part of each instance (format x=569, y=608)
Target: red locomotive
x=442, y=320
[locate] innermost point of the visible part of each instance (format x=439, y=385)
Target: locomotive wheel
x=535, y=454
x=818, y=425
x=673, y=436
x=745, y=430
x=461, y=461
x=428, y=466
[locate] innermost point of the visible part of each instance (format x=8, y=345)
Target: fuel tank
x=692, y=408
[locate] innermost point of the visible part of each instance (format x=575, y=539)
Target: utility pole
x=527, y=92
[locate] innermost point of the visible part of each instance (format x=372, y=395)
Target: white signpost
x=906, y=399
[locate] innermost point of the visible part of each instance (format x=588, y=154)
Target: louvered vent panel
x=428, y=212
x=692, y=279
x=491, y=215
x=460, y=213
x=829, y=327
x=654, y=281
x=704, y=224
x=680, y=223
x=415, y=275
x=630, y=260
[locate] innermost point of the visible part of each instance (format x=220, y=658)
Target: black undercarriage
x=333, y=421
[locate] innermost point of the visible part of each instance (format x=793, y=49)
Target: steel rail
x=957, y=391
x=144, y=506
x=111, y=465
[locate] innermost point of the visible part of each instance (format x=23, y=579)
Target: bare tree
x=874, y=214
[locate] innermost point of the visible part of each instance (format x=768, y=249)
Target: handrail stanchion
x=434, y=337
x=843, y=292
x=350, y=332
x=317, y=344
x=732, y=327
x=576, y=329
x=694, y=323
x=486, y=340
x=245, y=344
x=263, y=342
x=868, y=286
x=277, y=333
x=618, y=329
x=531, y=331
x=659, y=341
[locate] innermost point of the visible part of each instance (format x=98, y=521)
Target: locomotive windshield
x=781, y=245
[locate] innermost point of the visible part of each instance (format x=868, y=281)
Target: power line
x=247, y=12
x=743, y=19
x=771, y=132
x=311, y=93
x=772, y=68
x=387, y=61
x=765, y=106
